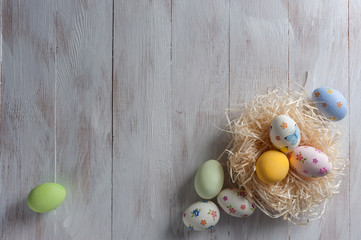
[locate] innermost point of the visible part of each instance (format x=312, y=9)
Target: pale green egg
x=209, y=179
x=46, y=197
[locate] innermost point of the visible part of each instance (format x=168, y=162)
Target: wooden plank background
x=120, y=101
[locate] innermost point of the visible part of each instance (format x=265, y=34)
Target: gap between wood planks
x=112, y=97
x=112, y=128
x=349, y=113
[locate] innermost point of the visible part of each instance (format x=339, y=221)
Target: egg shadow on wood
x=186, y=194
x=270, y=225
x=249, y=227
x=18, y=214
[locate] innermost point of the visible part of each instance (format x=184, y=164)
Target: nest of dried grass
x=295, y=198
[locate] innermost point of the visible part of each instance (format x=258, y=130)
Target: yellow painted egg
x=272, y=166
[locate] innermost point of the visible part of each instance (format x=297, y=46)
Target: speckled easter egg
x=284, y=133
x=330, y=102
x=202, y=215
x=209, y=179
x=310, y=162
x=234, y=202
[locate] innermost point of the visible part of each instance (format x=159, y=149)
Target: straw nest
x=295, y=198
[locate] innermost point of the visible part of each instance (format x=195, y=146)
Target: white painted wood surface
x=128, y=92
x=354, y=71
x=258, y=60
x=141, y=119
x=324, y=53
x=84, y=118
x=27, y=116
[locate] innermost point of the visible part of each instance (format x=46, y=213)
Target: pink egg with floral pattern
x=235, y=203
x=310, y=162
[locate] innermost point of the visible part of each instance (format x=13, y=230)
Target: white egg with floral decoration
x=310, y=162
x=235, y=203
x=200, y=216
x=284, y=133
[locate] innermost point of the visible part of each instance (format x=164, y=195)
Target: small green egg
x=209, y=179
x=46, y=197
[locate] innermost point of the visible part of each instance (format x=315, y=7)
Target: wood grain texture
x=27, y=116
x=319, y=44
x=130, y=132
x=53, y=69
x=84, y=118
x=200, y=78
x=354, y=117
x=142, y=127
x=259, y=47
x=27, y=122
x=258, y=60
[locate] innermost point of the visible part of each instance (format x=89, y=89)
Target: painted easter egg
x=284, y=133
x=234, y=202
x=330, y=102
x=310, y=162
x=46, y=197
x=201, y=215
x=209, y=179
x=272, y=166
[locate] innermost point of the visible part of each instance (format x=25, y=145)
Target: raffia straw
x=295, y=198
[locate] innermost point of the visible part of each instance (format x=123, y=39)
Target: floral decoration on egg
x=284, y=133
x=330, y=102
x=200, y=216
x=310, y=162
x=234, y=202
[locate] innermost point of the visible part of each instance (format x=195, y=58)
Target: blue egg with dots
x=330, y=102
